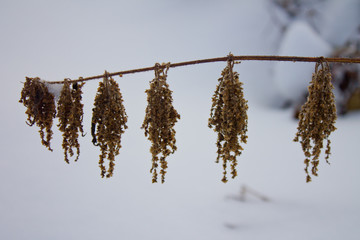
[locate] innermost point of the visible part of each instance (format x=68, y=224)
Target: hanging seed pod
x=108, y=123
x=228, y=118
x=70, y=114
x=40, y=105
x=317, y=118
x=159, y=122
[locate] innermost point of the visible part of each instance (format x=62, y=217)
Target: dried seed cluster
x=159, y=122
x=317, y=118
x=40, y=106
x=70, y=114
x=108, y=123
x=229, y=118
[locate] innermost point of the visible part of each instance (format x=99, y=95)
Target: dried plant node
x=40, y=105
x=70, y=114
x=108, y=123
x=229, y=118
x=159, y=122
x=317, y=118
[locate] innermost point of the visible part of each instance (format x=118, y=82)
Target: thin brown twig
x=221, y=59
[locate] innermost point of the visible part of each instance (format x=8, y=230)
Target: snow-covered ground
x=44, y=198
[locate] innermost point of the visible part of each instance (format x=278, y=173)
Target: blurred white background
x=42, y=197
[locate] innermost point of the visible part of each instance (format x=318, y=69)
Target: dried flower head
x=108, y=123
x=40, y=106
x=70, y=114
x=317, y=118
x=159, y=122
x=229, y=118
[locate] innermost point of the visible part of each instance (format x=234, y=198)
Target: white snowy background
x=42, y=197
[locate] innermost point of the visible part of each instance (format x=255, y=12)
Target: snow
x=45, y=198
x=299, y=40
x=55, y=90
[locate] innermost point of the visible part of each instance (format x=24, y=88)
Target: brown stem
x=223, y=59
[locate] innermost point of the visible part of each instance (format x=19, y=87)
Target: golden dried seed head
x=229, y=118
x=70, y=114
x=317, y=118
x=159, y=121
x=40, y=105
x=108, y=123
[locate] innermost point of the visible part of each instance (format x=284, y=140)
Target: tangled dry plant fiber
x=70, y=114
x=229, y=118
x=159, y=122
x=108, y=123
x=40, y=105
x=317, y=118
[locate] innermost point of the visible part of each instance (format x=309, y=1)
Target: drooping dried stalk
x=159, y=122
x=220, y=59
x=317, y=118
x=108, y=123
x=40, y=106
x=229, y=118
x=70, y=114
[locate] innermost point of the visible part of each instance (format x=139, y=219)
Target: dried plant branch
x=40, y=106
x=220, y=59
x=228, y=114
x=317, y=118
x=159, y=122
x=70, y=114
x=108, y=123
x=229, y=118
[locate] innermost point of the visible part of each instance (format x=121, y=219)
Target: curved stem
x=221, y=59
